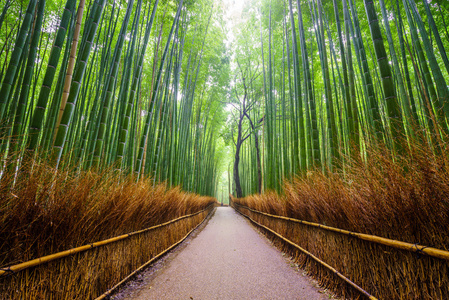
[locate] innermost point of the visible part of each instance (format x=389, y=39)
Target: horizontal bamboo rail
x=434, y=252
x=45, y=259
x=111, y=290
x=332, y=269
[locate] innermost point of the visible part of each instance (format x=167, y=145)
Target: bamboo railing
x=389, y=269
x=51, y=257
x=329, y=267
x=48, y=276
x=419, y=249
x=115, y=287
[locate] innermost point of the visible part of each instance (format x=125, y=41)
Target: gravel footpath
x=228, y=259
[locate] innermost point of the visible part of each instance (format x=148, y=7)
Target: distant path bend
x=228, y=259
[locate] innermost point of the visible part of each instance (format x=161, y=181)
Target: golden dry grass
x=404, y=198
x=43, y=213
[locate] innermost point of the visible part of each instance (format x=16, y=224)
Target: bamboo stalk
x=10, y=75
x=77, y=79
x=71, y=65
x=39, y=111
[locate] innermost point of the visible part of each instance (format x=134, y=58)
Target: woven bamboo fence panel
x=88, y=274
x=384, y=271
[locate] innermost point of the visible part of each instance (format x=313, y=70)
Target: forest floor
x=225, y=259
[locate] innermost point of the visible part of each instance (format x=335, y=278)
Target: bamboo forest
x=325, y=122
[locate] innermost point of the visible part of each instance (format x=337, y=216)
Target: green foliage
x=318, y=89
x=333, y=79
x=183, y=115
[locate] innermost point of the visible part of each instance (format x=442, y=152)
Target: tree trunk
x=238, y=187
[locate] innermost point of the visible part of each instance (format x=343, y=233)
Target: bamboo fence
x=86, y=272
x=387, y=268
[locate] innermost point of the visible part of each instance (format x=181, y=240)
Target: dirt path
x=228, y=259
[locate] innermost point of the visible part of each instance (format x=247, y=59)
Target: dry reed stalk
x=89, y=274
x=44, y=213
x=403, y=198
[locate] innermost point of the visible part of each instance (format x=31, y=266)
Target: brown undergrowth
x=404, y=198
x=43, y=212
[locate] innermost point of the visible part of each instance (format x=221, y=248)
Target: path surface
x=228, y=259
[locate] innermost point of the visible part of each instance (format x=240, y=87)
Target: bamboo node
x=7, y=271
